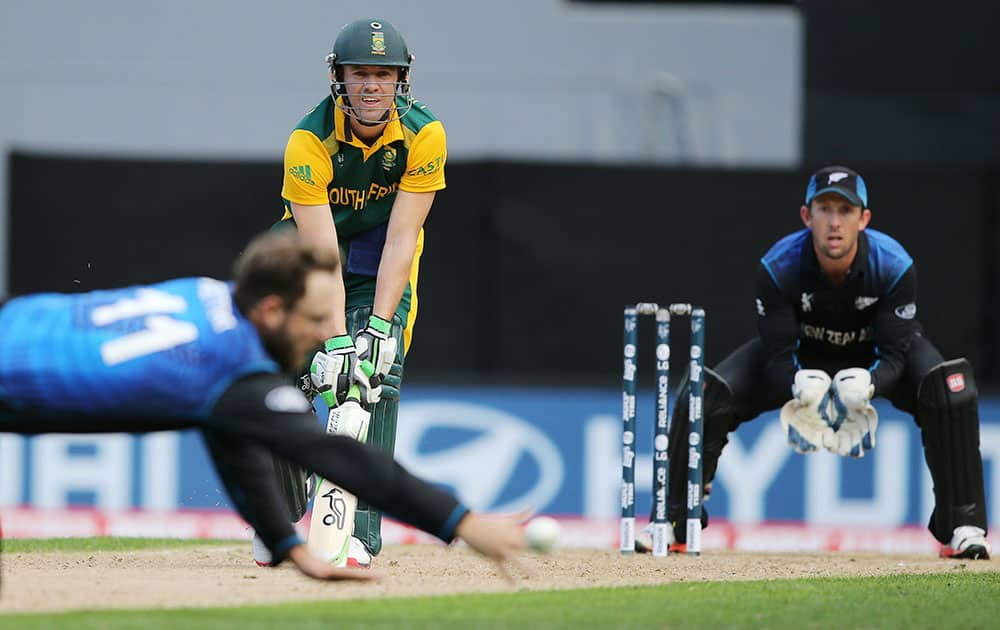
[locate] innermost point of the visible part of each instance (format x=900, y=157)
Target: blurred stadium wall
x=600, y=153
x=518, y=80
x=680, y=119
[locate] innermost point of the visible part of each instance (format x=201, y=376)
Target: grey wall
x=520, y=79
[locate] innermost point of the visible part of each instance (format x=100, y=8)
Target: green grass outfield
x=953, y=600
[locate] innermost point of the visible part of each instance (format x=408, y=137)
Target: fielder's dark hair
x=277, y=263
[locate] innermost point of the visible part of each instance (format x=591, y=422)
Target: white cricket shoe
x=357, y=555
x=261, y=554
x=967, y=542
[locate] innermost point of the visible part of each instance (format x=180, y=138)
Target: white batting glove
x=376, y=349
x=349, y=419
x=806, y=418
x=854, y=419
x=330, y=371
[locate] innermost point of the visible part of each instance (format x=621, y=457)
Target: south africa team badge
x=388, y=158
x=378, y=43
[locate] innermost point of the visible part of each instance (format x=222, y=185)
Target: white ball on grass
x=542, y=533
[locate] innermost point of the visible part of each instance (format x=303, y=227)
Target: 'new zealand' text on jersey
x=167, y=349
x=806, y=322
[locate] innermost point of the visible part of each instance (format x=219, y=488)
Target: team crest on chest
x=388, y=158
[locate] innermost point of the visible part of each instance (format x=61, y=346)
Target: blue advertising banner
x=556, y=450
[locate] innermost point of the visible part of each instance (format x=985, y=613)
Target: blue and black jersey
x=169, y=349
x=806, y=322
x=177, y=355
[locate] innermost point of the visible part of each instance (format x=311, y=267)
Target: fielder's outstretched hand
x=320, y=570
x=498, y=537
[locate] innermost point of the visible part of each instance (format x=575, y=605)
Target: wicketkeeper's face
x=835, y=224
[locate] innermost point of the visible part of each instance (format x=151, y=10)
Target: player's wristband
x=380, y=325
x=338, y=345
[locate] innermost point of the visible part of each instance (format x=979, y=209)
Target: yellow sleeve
x=425, y=162
x=308, y=170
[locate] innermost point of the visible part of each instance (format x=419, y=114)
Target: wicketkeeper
x=836, y=314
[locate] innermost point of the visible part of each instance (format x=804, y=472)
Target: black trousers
x=752, y=396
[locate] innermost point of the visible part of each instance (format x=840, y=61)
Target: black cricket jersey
x=805, y=321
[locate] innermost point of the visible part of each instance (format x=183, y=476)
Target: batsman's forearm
x=316, y=226
x=393, y=275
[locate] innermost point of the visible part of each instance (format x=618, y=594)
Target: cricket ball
x=542, y=533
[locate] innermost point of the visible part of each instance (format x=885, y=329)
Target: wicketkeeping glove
x=330, y=372
x=806, y=418
x=854, y=419
x=376, y=349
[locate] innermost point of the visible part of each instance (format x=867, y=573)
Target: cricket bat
x=332, y=521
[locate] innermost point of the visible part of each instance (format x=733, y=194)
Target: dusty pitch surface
x=222, y=576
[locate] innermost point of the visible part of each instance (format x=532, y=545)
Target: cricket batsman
x=360, y=173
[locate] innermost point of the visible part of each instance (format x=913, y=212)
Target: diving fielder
x=837, y=320
x=204, y=354
x=361, y=171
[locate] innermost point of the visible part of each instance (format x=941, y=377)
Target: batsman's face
x=371, y=90
x=835, y=225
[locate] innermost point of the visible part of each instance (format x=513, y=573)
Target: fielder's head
x=286, y=288
x=369, y=68
x=836, y=210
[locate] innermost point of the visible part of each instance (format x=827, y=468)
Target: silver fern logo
x=906, y=311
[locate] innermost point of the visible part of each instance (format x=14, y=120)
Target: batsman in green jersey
x=361, y=172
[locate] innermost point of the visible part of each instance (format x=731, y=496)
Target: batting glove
x=349, y=419
x=376, y=349
x=330, y=371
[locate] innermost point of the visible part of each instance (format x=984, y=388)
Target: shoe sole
x=264, y=564
x=972, y=552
